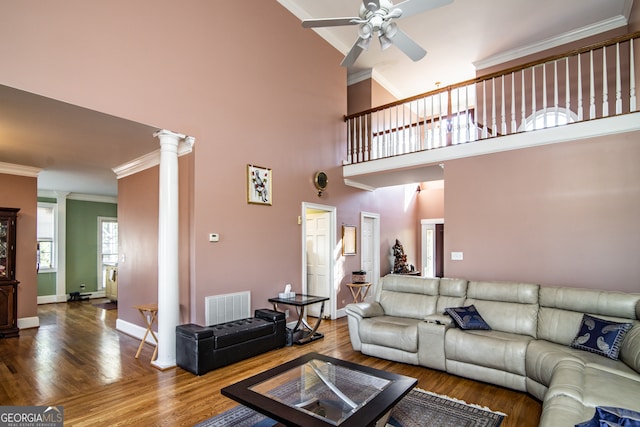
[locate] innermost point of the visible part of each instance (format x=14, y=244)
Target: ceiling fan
x=376, y=19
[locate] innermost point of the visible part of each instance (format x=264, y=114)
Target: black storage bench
x=200, y=349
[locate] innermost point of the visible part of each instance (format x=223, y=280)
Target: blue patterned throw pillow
x=467, y=317
x=610, y=416
x=600, y=336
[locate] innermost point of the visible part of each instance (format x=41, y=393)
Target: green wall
x=82, y=242
x=81, y=246
x=46, y=284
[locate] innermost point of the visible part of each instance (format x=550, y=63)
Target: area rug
x=419, y=408
x=107, y=305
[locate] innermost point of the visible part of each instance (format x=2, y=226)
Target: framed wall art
x=348, y=240
x=259, y=185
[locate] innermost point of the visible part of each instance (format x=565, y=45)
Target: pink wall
x=564, y=214
x=272, y=96
x=21, y=192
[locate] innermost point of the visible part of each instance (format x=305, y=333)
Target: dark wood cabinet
x=8, y=282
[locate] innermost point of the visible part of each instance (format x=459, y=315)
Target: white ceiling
x=464, y=33
x=77, y=148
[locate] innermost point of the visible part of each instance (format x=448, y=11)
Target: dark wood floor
x=78, y=360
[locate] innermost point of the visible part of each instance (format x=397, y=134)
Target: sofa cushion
x=389, y=331
x=492, y=349
x=630, y=349
x=452, y=293
x=407, y=296
x=544, y=356
x=467, y=317
x=600, y=336
x=594, y=387
x=507, y=307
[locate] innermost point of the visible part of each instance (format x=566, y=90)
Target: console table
x=303, y=333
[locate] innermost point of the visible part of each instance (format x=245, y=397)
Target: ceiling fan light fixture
x=365, y=30
x=364, y=43
x=385, y=42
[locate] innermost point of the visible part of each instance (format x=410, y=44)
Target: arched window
x=548, y=118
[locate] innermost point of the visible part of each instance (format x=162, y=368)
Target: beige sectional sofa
x=528, y=346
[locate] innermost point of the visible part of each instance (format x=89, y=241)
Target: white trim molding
x=562, y=39
x=152, y=159
x=20, y=170
x=28, y=322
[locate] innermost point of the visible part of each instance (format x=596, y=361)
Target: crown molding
x=92, y=198
x=20, y=170
x=552, y=42
x=152, y=159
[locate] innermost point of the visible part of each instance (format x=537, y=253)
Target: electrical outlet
x=214, y=237
x=457, y=256
x=286, y=314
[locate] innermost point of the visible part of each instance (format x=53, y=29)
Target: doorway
x=370, y=252
x=318, y=264
x=432, y=242
x=107, y=251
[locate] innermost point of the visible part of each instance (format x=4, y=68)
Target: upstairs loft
x=583, y=93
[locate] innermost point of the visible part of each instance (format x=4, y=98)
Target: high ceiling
x=465, y=35
x=77, y=148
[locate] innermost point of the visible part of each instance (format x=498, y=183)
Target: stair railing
x=589, y=83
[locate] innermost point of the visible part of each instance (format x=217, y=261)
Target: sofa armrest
x=365, y=309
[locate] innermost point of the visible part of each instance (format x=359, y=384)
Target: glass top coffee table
x=318, y=390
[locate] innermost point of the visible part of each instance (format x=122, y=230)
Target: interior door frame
x=424, y=224
x=334, y=284
x=376, y=248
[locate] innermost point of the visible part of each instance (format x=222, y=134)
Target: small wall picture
x=259, y=190
x=348, y=240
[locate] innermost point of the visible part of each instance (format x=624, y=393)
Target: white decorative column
x=168, y=275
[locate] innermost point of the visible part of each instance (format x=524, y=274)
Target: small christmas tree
x=400, y=265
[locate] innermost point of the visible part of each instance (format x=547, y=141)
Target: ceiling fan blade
x=410, y=48
x=413, y=7
x=353, y=54
x=329, y=22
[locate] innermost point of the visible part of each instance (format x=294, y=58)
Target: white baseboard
x=28, y=322
x=340, y=313
x=134, y=330
x=51, y=299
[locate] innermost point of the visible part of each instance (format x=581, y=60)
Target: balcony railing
x=593, y=82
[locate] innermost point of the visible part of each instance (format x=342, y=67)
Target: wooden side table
x=149, y=312
x=357, y=291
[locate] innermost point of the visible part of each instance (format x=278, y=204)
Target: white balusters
x=567, y=84
x=618, y=82
x=605, y=84
x=592, y=88
x=514, y=123
x=632, y=78
x=580, y=107
x=445, y=117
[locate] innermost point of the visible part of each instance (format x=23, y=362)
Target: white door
x=429, y=243
x=318, y=251
x=370, y=249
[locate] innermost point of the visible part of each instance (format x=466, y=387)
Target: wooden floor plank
x=78, y=360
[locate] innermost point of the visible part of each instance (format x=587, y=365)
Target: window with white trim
x=547, y=118
x=46, y=236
